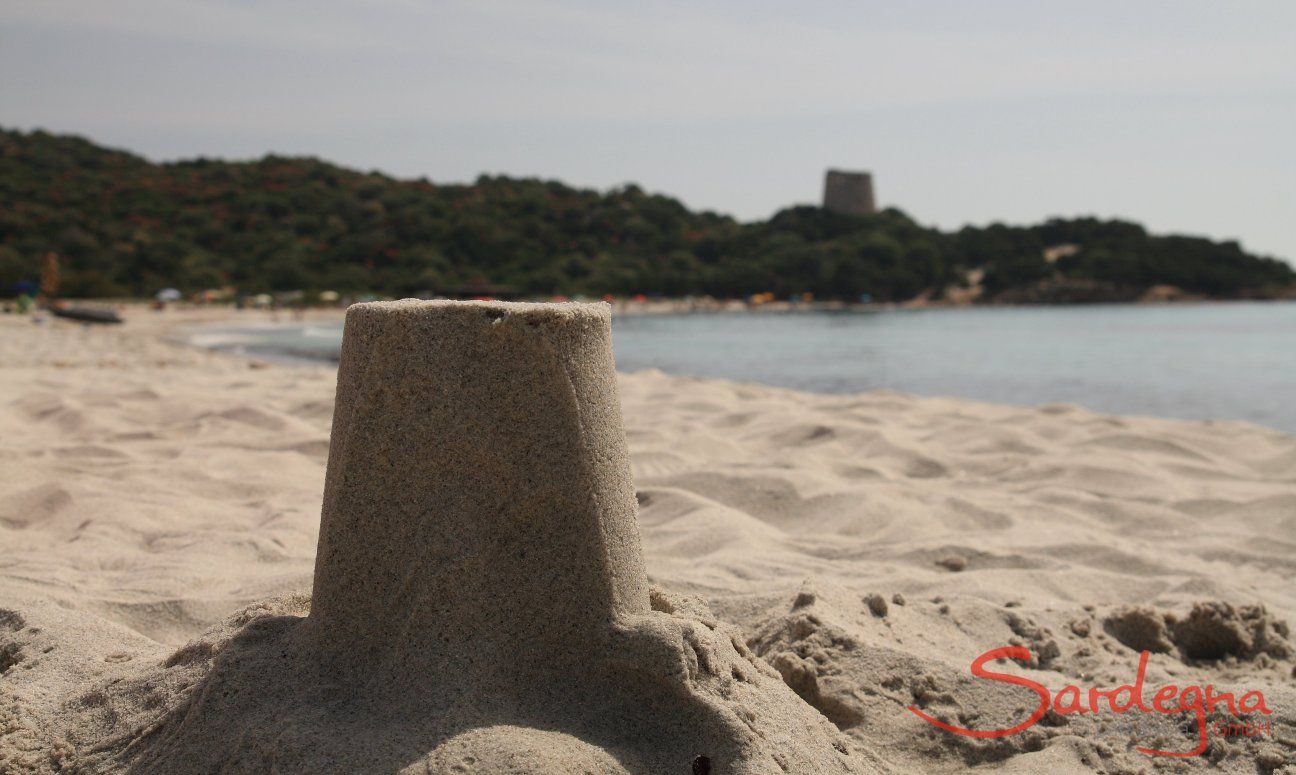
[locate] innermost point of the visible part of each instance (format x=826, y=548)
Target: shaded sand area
x=160, y=508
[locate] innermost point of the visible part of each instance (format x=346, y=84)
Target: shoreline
x=708, y=305
x=891, y=350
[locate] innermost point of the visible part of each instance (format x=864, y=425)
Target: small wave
x=220, y=340
x=287, y=344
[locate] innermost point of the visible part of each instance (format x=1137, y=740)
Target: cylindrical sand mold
x=478, y=503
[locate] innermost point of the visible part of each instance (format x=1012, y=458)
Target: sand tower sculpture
x=850, y=193
x=478, y=483
x=480, y=602
x=479, y=522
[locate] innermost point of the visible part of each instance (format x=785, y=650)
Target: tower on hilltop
x=850, y=193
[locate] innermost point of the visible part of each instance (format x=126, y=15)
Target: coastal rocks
x=1069, y=291
x=480, y=601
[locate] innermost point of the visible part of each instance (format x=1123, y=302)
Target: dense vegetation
x=128, y=227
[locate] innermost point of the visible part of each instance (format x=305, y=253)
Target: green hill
x=127, y=227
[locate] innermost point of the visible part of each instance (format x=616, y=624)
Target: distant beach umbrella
x=169, y=294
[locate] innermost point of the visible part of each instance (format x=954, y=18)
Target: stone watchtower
x=850, y=193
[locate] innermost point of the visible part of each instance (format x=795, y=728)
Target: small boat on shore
x=86, y=314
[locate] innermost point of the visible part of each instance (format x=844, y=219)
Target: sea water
x=1201, y=361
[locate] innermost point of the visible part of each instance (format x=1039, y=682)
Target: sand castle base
x=480, y=602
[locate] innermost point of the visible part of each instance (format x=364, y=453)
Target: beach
x=867, y=547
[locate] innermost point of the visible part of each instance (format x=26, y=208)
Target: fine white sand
x=160, y=505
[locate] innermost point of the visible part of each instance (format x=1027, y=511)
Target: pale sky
x=1178, y=114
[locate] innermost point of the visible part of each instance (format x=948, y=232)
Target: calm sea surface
x=1226, y=361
